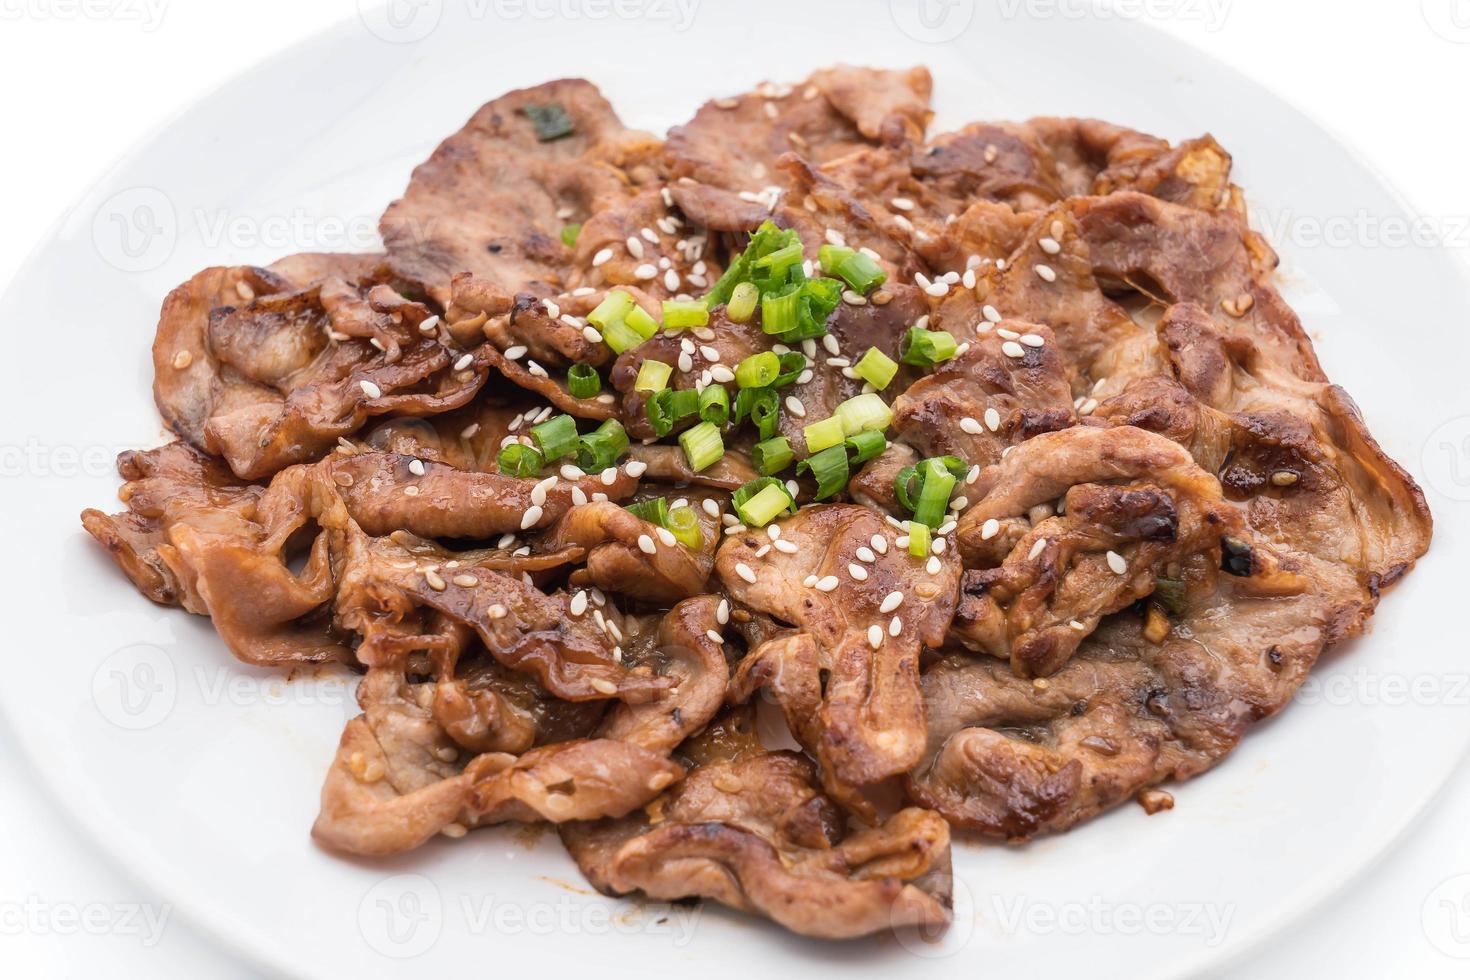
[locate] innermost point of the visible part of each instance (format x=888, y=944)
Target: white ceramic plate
x=201, y=775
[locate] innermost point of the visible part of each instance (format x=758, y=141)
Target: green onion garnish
x=550, y=119
x=762, y=406
x=642, y=323
x=758, y=370
x=926, y=348
x=652, y=376
x=781, y=259
x=832, y=256
x=655, y=510
x=620, y=337
x=876, y=368
x=1170, y=594
x=761, y=501
x=792, y=364
x=668, y=407
x=908, y=486
x=864, y=412
x=518, y=459
x=714, y=405
x=556, y=437
x=742, y=302
x=624, y=324
x=866, y=445
x=821, y=435
x=918, y=539
x=614, y=306
x=829, y=468
x=936, y=483
x=772, y=456
x=860, y=272
x=683, y=523
x=779, y=310
x=583, y=381
x=702, y=445
x=569, y=234
x=601, y=447
x=680, y=314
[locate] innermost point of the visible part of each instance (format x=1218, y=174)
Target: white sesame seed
x=834, y=237
x=990, y=313
x=1078, y=626
x=497, y=611
x=743, y=570
x=515, y=353
x=891, y=602
x=635, y=468
x=902, y=540
x=989, y=529
x=810, y=581
x=466, y=581
x=578, y=604
x=416, y=467
x=938, y=546
x=645, y=271
x=1046, y=273
x=649, y=235
x=530, y=517
x=538, y=492
x=464, y=362
x=933, y=565
x=762, y=551
x=579, y=497
x=1037, y=548
x=721, y=374
x=1033, y=340
x=602, y=256
x=864, y=553
x=1088, y=407
x=714, y=636
x=787, y=547
x=875, y=636
x=710, y=507
x=969, y=425
x=795, y=407
x=570, y=472
x=435, y=582
x=671, y=280
x=829, y=342
x=804, y=377
x=853, y=299
x=709, y=353
x=685, y=363
x=469, y=431
x=1117, y=563
x=506, y=540
x=429, y=325
x=992, y=422
x=1007, y=334
x=974, y=473
x=857, y=571
x=646, y=545
x=609, y=476
x=827, y=583
x=370, y=389
x=1058, y=230
x=1049, y=246
x=666, y=536
x=1012, y=349
x=722, y=612
x=635, y=247
x=937, y=289
x=902, y=203
x=895, y=626
x=968, y=279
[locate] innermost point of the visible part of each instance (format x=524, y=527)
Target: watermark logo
x=401, y=917
x=1208, y=922
x=36, y=916
x=136, y=687
x=147, y=14
x=1450, y=19
x=400, y=21
x=1211, y=14
x=932, y=21
x=136, y=229
x=1446, y=917
x=940, y=941
x=1445, y=462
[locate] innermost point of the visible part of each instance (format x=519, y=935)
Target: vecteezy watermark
x=939, y=941
x=404, y=916
x=1450, y=19
x=932, y=21
x=1211, y=14
x=147, y=14
x=1445, y=461
x=138, y=687
x=135, y=230
x=1365, y=686
x=1208, y=921
x=1445, y=917
x=1363, y=229
x=43, y=460
x=407, y=21
x=35, y=916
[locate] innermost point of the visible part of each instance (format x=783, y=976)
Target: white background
x=85, y=79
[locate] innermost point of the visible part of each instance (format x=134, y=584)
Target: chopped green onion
x=683, y=523
x=866, y=445
x=936, y=484
x=772, y=456
x=762, y=406
x=918, y=539
x=1170, y=594
x=583, y=381
x=550, y=120
x=860, y=272
x=682, y=313
x=702, y=445
x=758, y=370
x=652, y=376
x=779, y=310
x=556, y=437
x=864, y=412
x=614, y=306
x=570, y=234
x=767, y=239
x=643, y=324
x=620, y=337
x=654, y=510
x=906, y=487
x=792, y=364
x=518, y=459
x=714, y=404
x=832, y=256
x=821, y=435
x=926, y=348
x=742, y=302
x=668, y=407
x=601, y=447
x=781, y=259
x=876, y=368
x=761, y=501
x=829, y=468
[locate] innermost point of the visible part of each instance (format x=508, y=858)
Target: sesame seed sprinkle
x=891, y=602
x=530, y=517
x=989, y=529
x=1012, y=349
x=370, y=389
x=602, y=256
x=1037, y=548
x=969, y=425
x=1047, y=273
x=827, y=583
x=744, y=571
x=1117, y=563
x=646, y=545
x=858, y=572
x=875, y=636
